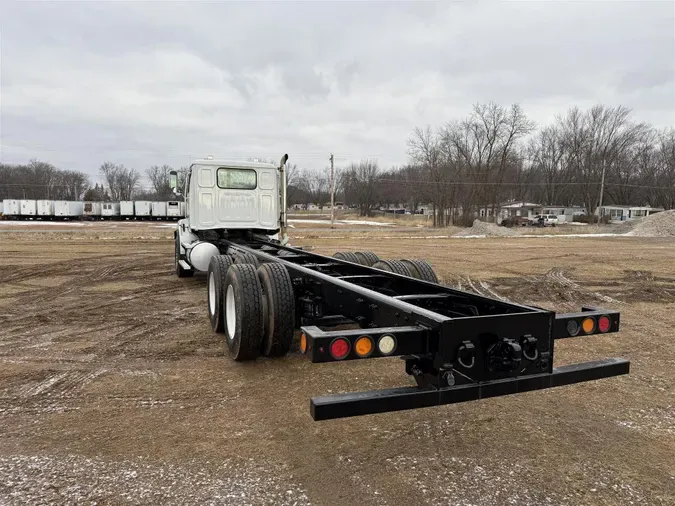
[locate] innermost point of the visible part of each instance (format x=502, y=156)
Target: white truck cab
x=222, y=194
x=225, y=198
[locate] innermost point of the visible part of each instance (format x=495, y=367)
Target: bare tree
x=315, y=187
x=121, y=183
x=360, y=182
x=159, y=179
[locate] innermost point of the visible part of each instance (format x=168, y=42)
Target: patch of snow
x=36, y=223
x=345, y=222
x=366, y=222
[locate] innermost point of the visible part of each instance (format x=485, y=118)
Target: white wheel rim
x=212, y=294
x=230, y=312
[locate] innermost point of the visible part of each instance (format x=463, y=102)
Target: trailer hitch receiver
x=504, y=356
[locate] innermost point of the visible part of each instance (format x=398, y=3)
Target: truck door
x=269, y=198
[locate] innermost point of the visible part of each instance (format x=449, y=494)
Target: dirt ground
x=114, y=390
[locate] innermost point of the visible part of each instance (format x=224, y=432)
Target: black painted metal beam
x=398, y=399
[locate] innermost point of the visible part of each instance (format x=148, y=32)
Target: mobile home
x=92, y=210
x=159, y=209
x=110, y=210
x=11, y=208
x=68, y=209
x=127, y=209
x=28, y=208
x=173, y=209
x=45, y=208
x=142, y=209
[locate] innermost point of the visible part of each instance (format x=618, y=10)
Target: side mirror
x=173, y=181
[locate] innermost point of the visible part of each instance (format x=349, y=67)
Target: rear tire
x=367, y=258
x=244, y=257
x=395, y=266
x=215, y=283
x=243, y=312
x=421, y=269
x=180, y=272
x=349, y=256
x=279, y=305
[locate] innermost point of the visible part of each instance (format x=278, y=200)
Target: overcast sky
x=149, y=83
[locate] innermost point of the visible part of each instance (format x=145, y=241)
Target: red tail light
x=339, y=348
x=604, y=323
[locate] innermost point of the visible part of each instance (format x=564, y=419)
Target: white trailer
x=110, y=210
x=182, y=209
x=142, y=209
x=92, y=210
x=159, y=210
x=45, y=209
x=68, y=209
x=127, y=209
x=173, y=208
x=11, y=208
x=28, y=208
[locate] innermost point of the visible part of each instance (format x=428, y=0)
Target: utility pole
x=602, y=184
x=332, y=192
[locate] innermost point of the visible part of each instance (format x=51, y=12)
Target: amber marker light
x=363, y=346
x=588, y=325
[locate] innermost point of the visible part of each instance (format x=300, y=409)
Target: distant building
x=517, y=209
x=626, y=213
x=564, y=213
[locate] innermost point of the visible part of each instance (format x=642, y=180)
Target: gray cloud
x=148, y=82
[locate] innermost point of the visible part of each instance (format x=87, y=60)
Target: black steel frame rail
x=398, y=399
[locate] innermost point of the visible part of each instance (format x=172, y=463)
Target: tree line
x=41, y=180
x=496, y=154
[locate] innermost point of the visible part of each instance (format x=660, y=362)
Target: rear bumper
x=398, y=399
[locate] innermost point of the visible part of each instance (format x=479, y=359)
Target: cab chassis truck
x=456, y=345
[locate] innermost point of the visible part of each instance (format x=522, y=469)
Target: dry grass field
x=114, y=390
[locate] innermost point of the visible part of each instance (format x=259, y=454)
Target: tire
x=244, y=257
x=215, y=289
x=349, y=256
x=421, y=269
x=367, y=258
x=395, y=266
x=279, y=313
x=243, y=312
x=180, y=272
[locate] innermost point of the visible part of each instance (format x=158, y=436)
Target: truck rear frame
x=458, y=346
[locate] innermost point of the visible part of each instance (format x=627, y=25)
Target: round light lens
x=339, y=348
x=303, y=343
x=604, y=323
x=588, y=325
x=572, y=327
x=363, y=346
x=386, y=345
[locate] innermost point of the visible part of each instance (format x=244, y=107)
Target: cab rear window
x=237, y=179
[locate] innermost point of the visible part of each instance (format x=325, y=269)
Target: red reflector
x=339, y=348
x=604, y=323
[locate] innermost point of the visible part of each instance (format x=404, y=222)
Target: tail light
x=363, y=346
x=339, y=348
x=588, y=325
x=386, y=344
x=604, y=323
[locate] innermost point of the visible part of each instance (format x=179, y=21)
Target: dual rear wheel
x=254, y=306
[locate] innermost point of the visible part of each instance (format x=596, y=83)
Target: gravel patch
x=657, y=225
x=73, y=479
x=484, y=229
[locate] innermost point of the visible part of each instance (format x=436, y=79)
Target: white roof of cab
x=235, y=163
